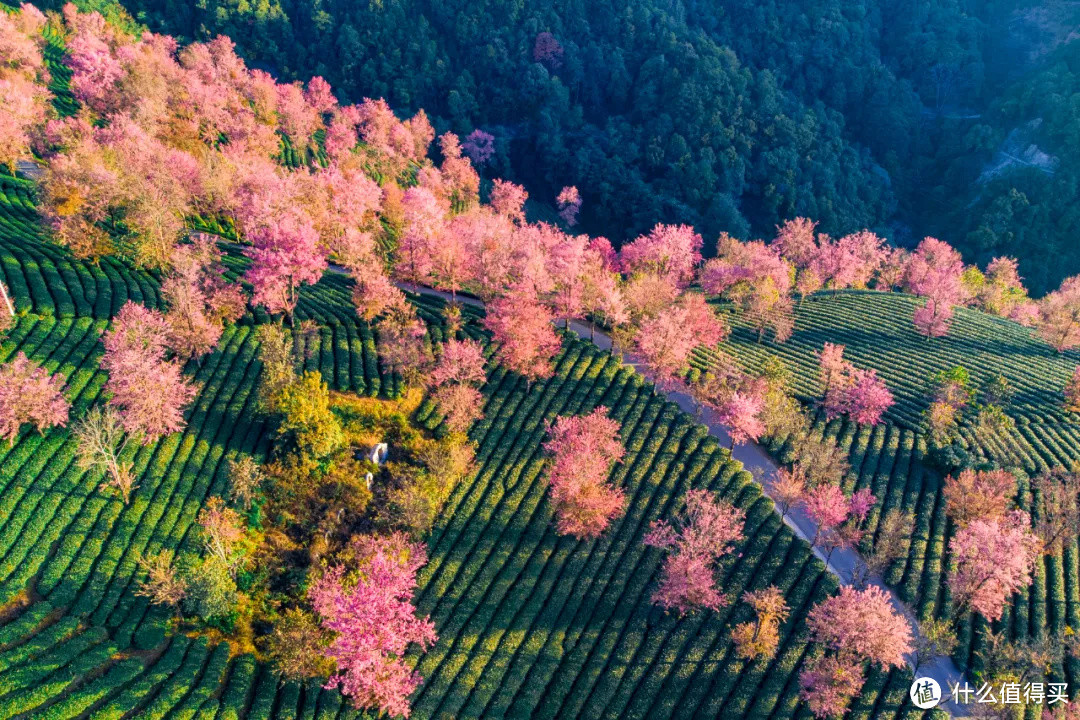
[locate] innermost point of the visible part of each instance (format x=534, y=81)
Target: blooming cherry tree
x=994, y=558
x=703, y=532
x=522, y=328
x=374, y=621
x=30, y=395
x=584, y=448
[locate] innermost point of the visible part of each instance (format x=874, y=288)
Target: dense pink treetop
x=744, y=264
x=547, y=50
x=424, y=215
x=829, y=683
x=570, y=264
x=994, y=558
x=893, y=269
x=740, y=413
x=703, y=532
x=850, y=261
x=479, y=146
x=461, y=361
x=522, y=327
x=584, y=448
x=284, y=256
x=1058, y=321
x=297, y=118
x=933, y=318
x=862, y=396
x=860, y=503
x=796, y=240
x=666, y=340
x=863, y=623
x=374, y=621
x=859, y=394
x=29, y=394
x=23, y=77
x=508, y=200
x=149, y=390
x=934, y=271
x=569, y=201
x=826, y=505
x=668, y=251
x=461, y=405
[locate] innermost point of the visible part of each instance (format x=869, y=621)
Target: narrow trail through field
x=841, y=563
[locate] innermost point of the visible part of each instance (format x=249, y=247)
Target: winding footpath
x=842, y=563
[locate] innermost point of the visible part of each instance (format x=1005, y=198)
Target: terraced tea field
x=877, y=333
x=530, y=624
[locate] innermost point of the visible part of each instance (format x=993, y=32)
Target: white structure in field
x=379, y=453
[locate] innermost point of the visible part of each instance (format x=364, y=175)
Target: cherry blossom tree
x=934, y=271
x=862, y=624
x=199, y=300
x=479, y=146
x=30, y=395
x=222, y=529
x=757, y=280
x=827, y=507
x=1058, y=322
x=284, y=256
x=831, y=366
x=829, y=683
x=148, y=389
x=666, y=340
x=796, y=240
x=993, y=559
x=374, y=621
x=584, y=448
x=703, y=532
x=508, y=200
x=861, y=395
x=521, y=326
x=671, y=252
x=401, y=342
x=741, y=414
x=547, y=50
x=24, y=98
x=569, y=202
x=458, y=372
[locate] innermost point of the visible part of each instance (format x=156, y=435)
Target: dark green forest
x=956, y=118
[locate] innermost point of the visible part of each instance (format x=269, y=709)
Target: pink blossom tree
x=584, y=448
x=796, y=240
x=569, y=201
x=284, y=256
x=862, y=624
x=827, y=507
x=829, y=683
x=547, y=50
x=479, y=146
x=374, y=621
x=30, y=395
x=521, y=326
x=993, y=558
x=741, y=414
x=148, y=390
x=666, y=340
x=671, y=252
x=508, y=200
x=458, y=372
x=1058, y=321
x=702, y=533
x=934, y=271
x=756, y=279
x=199, y=300
x=861, y=395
